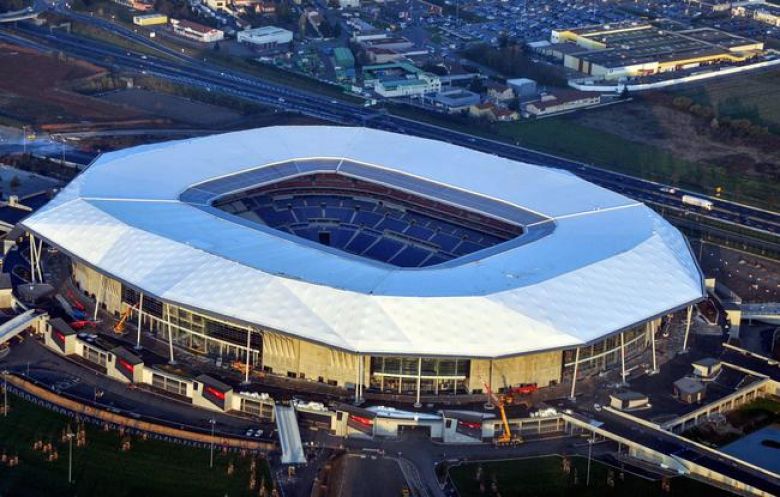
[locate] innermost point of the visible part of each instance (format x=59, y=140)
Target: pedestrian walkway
x=289, y=435
x=18, y=324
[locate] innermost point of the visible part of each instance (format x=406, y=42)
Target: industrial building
x=349, y=256
x=561, y=101
x=150, y=19
x=266, y=37
x=195, y=31
x=633, y=49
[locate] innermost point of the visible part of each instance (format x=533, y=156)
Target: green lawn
x=544, y=477
x=100, y=469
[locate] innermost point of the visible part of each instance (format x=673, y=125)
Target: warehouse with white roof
x=367, y=259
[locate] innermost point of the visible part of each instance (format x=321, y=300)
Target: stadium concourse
x=371, y=260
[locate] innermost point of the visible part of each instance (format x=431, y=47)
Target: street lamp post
x=5, y=393
x=590, y=451
x=213, y=422
x=70, y=435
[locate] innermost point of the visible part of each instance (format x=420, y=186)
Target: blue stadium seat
x=366, y=218
x=418, y=232
x=446, y=242
x=467, y=247
x=384, y=249
x=391, y=224
x=360, y=242
x=410, y=257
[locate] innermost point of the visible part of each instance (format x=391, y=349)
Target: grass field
x=754, y=96
x=544, y=477
x=100, y=469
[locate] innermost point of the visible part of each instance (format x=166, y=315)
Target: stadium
x=370, y=260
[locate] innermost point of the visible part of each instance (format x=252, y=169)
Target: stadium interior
x=369, y=220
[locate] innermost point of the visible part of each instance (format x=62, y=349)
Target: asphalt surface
x=31, y=358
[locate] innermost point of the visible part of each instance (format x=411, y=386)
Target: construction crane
x=119, y=327
x=506, y=437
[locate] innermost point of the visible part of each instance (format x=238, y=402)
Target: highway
x=177, y=68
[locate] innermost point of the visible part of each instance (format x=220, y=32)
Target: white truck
x=697, y=202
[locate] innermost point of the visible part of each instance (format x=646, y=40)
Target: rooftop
x=590, y=262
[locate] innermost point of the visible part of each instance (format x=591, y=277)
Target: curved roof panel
x=605, y=262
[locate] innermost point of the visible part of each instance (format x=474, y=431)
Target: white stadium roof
x=606, y=263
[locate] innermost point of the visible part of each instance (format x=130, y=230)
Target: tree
x=15, y=183
x=476, y=85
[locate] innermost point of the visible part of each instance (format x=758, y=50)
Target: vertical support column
x=357, y=379
x=362, y=362
x=166, y=309
x=687, y=329
x=623, y=357
x=574, y=376
x=140, y=320
x=652, y=342
x=489, y=403
x=38, y=251
x=31, y=240
x=419, y=373
x=248, y=354
x=100, y=296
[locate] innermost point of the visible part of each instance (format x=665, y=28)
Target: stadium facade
x=358, y=257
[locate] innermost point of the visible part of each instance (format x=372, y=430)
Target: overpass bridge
x=19, y=323
x=18, y=15
x=766, y=312
x=671, y=451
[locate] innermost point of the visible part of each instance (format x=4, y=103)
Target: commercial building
x=266, y=37
x=349, y=256
x=632, y=49
x=195, y=31
x=524, y=88
x=344, y=63
x=150, y=19
x=561, y=101
x=498, y=92
x=400, y=79
x=765, y=12
x=456, y=100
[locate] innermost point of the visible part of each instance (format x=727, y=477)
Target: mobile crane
x=506, y=438
x=119, y=327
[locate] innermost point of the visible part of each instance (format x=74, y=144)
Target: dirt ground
x=34, y=88
x=675, y=131
x=174, y=107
